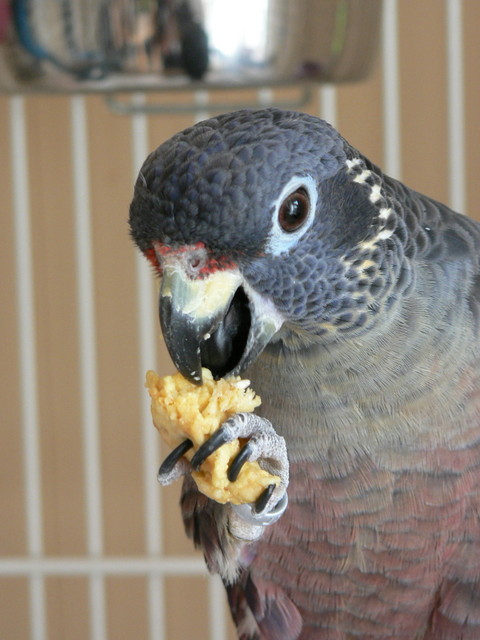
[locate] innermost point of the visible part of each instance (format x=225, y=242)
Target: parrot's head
x=264, y=226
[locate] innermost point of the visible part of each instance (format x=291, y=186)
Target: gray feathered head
x=258, y=220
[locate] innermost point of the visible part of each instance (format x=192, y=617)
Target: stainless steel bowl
x=124, y=45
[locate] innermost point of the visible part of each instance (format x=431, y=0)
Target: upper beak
x=211, y=322
x=190, y=312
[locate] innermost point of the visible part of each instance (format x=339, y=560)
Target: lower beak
x=205, y=321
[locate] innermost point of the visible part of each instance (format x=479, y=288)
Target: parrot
x=352, y=304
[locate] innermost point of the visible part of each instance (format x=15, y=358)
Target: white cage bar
x=28, y=363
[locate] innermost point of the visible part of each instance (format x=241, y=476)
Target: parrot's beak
x=212, y=322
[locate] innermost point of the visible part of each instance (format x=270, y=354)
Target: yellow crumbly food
x=182, y=410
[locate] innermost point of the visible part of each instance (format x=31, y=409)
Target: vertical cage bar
x=456, y=111
x=265, y=96
x=147, y=334
x=328, y=104
x=217, y=600
x=88, y=359
x=201, y=99
x=391, y=97
x=28, y=362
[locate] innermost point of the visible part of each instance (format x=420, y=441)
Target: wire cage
x=91, y=548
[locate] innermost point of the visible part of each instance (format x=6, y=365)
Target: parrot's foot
x=265, y=446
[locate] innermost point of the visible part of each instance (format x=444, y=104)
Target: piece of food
x=182, y=410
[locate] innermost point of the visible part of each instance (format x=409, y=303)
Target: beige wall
x=50, y=185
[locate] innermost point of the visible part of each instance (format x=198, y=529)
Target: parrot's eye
x=294, y=210
x=293, y=213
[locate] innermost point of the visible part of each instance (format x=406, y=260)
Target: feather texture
x=373, y=380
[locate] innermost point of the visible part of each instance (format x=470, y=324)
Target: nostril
x=195, y=261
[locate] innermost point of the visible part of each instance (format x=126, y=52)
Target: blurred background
x=91, y=548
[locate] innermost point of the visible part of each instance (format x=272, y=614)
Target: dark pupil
x=293, y=211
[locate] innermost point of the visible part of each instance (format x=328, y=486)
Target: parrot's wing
x=455, y=244
x=262, y=610
x=474, y=302
x=435, y=232
x=259, y=609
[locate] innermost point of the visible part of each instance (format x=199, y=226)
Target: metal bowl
x=131, y=45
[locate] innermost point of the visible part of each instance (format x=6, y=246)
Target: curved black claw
x=238, y=462
x=173, y=457
x=212, y=444
x=262, y=500
x=250, y=513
